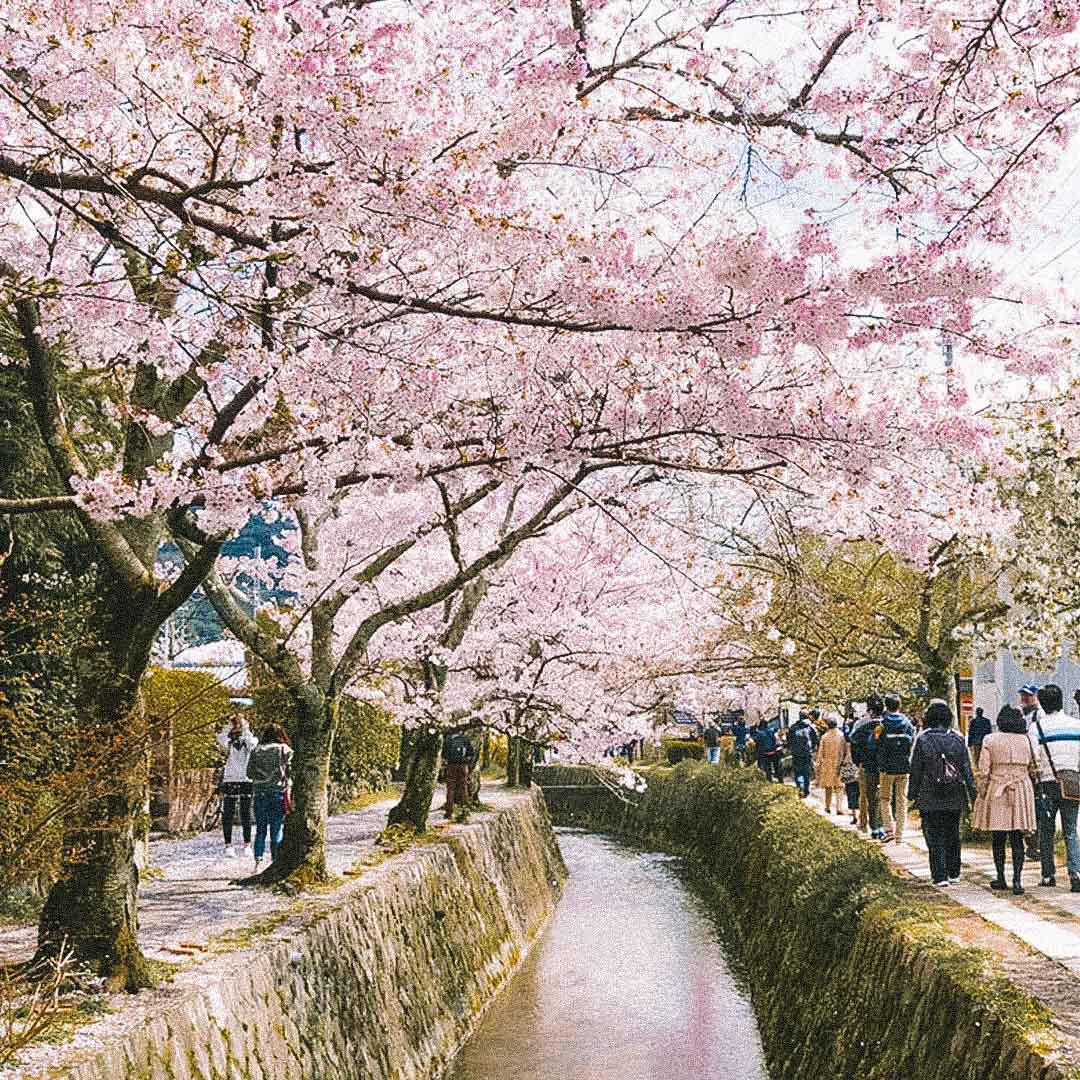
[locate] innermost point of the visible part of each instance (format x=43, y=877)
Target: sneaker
x=1074, y=884
x=229, y=853
x=258, y=865
x=941, y=884
x=954, y=881
x=1047, y=883
x=245, y=850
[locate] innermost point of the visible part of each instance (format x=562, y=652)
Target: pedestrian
x=893, y=740
x=864, y=754
x=741, y=734
x=237, y=740
x=979, y=729
x=1029, y=706
x=457, y=753
x=767, y=750
x=270, y=768
x=1005, y=807
x=831, y=753
x=711, y=737
x=942, y=785
x=802, y=742
x=1055, y=742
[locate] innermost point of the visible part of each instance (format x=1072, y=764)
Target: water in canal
x=629, y=981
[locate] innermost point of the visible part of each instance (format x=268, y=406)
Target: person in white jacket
x=1055, y=745
x=237, y=741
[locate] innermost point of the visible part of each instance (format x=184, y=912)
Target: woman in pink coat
x=1005, y=807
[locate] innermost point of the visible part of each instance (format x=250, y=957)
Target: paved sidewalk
x=190, y=896
x=1047, y=920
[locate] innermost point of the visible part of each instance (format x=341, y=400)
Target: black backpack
x=457, y=750
x=940, y=771
x=803, y=740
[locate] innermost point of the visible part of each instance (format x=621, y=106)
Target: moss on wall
x=852, y=974
x=381, y=979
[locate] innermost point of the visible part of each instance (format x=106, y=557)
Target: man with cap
x=1029, y=706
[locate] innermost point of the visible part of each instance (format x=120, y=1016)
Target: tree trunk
x=939, y=683
x=421, y=776
x=302, y=855
x=93, y=908
x=513, y=761
x=525, y=764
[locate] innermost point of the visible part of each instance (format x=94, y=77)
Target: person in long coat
x=1005, y=807
x=830, y=754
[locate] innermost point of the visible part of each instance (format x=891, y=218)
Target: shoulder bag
x=849, y=771
x=1067, y=780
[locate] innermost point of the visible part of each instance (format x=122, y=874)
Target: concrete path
x=190, y=895
x=1047, y=920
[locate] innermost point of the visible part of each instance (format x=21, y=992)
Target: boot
x=1018, y=869
x=998, y=884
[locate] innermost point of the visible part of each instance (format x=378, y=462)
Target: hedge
x=853, y=972
x=365, y=748
x=676, y=750
x=198, y=705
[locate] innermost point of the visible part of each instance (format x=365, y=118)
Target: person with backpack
x=711, y=737
x=802, y=742
x=864, y=754
x=741, y=734
x=1055, y=745
x=942, y=784
x=893, y=740
x=269, y=768
x=457, y=754
x=767, y=750
x=1005, y=807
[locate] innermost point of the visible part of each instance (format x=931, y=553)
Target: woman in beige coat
x=830, y=754
x=1005, y=807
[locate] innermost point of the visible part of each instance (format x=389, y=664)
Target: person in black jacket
x=979, y=729
x=864, y=754
x=802, y=743
x=942, y=783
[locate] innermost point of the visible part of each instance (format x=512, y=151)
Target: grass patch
x=369, y=798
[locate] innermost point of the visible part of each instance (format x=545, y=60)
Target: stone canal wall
x=853, y=972
x=382, y=980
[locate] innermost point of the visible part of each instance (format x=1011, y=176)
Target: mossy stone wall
x=384, y=981
x=851, y=972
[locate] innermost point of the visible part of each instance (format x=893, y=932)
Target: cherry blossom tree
x=311, y=246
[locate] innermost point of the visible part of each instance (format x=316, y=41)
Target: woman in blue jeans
x=269, y=771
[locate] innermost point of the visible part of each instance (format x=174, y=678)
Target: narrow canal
x=629, y=981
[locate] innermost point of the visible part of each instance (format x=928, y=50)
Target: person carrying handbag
x=1055, y=742
x=269, y=770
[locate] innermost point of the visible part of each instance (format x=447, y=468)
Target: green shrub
x=854, y=972
x=676, y=750
x=365, y=748
x=197, y=705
